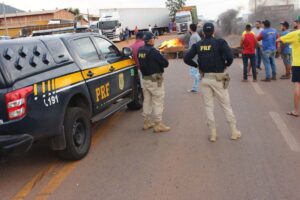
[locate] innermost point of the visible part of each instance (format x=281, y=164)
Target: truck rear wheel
x=77, y=133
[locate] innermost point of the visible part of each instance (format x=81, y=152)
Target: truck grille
x=109, y=35
x=183, y=27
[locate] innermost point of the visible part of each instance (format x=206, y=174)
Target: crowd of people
x=264, y=43
x=211, y=57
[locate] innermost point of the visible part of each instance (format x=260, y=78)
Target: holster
x=158, y=77
x=225, y=78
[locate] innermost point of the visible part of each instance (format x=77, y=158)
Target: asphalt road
x=126, y=163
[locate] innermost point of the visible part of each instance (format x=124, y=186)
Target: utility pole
x=255, y=6
x=88, y=17
x=4, y=14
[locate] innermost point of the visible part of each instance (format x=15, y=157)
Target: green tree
x=76, y=12
x=174, y=6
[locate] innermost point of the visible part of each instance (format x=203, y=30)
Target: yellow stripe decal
x=67, y=80
x=49, y=85
x=98, y=71
x=35, y=89
x=53, y=84
x=76, y=77
x=43, y=87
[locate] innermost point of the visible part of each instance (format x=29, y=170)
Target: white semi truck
x=185, y=17
x=113, y=22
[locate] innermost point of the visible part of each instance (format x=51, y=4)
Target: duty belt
x=220, y=77
x=154, y=77
x=158, y=78
x=213, y=75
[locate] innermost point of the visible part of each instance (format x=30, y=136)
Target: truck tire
x=77, y=133
x=138, y=100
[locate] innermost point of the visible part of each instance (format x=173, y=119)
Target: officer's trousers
x=154, y=95
x=213, y=89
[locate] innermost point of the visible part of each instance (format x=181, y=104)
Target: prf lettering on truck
x=102, y=92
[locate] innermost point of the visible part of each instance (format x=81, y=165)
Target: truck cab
x=110, y=26
x=183, y=20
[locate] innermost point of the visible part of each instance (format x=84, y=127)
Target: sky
x=210, y=9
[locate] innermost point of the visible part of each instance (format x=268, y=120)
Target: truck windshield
x=107, y=24
x=184, y=18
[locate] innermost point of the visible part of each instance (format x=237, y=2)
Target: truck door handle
x=90, y=74
x=111, y=69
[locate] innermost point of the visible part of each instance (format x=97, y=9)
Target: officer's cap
x=208, y=28
x=148, y=36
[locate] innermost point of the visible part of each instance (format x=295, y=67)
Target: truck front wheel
x=77, y=133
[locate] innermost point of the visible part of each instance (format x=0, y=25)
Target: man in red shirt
x=248, y=43
x=135, y=47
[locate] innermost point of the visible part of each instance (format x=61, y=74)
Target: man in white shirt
x=194, y=72
x=257, y=30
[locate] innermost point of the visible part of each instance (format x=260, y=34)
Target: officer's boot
x=148, y=124
x=161, y=127
x=235, y=133
x=213, y=135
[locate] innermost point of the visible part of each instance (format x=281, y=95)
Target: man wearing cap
x=293, y=38
x=214, y=56
x=286, y=51
x=268, y=37
x=152, y=65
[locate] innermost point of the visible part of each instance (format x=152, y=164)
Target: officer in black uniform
x=152, y=65
x=214, y=56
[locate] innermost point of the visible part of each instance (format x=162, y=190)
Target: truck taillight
x=16, y=102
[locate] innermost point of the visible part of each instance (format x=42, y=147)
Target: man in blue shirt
x=286, y=51
x=268, y=37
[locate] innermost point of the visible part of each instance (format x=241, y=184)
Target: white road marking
x=256, y=87
x=285, y=132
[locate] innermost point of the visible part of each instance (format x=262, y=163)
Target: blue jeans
x=258, y=57
x=246, y=58
x=194, y=72
x=268, y=58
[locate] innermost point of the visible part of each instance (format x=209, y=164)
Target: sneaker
x=266, y=80
x=254, y=80
x=285, y=77
x=244, y=80
x=193, y=91
x=274, y=78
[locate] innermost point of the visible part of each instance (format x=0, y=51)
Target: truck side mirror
x=127, y=52
x=120, y=24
